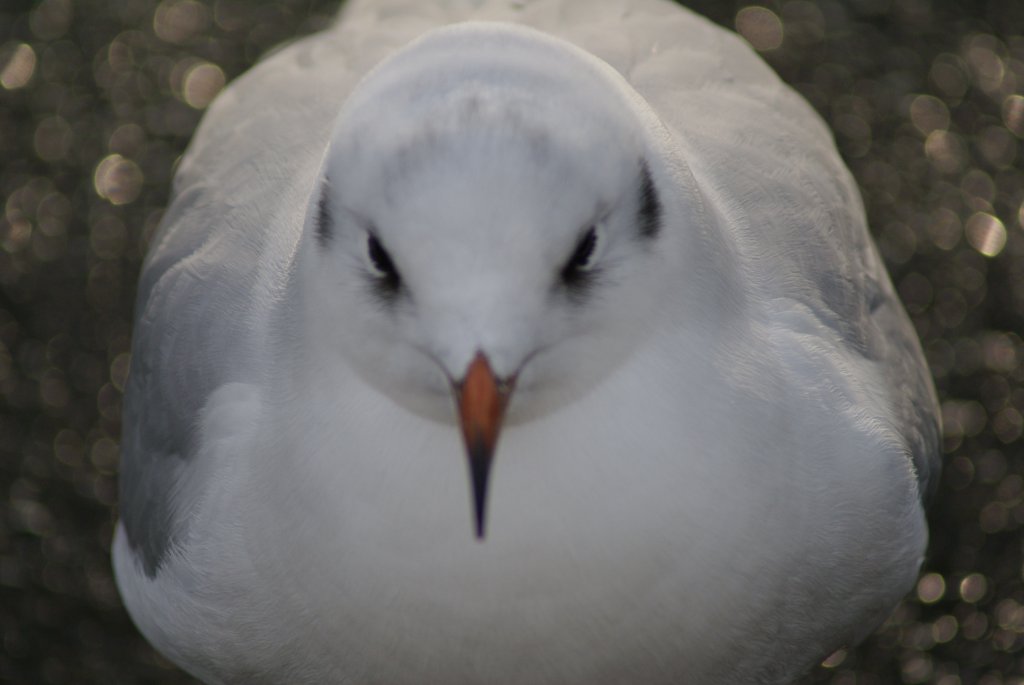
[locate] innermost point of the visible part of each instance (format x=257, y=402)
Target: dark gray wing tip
x=150, y=552
x=152, y=457
x=927, y=459
x=649, y=211
x=324, y=223
x=147, y=512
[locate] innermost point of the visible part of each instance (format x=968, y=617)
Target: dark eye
x=381, y=262
x=575, y=270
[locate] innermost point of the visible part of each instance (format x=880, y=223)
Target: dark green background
x=106, y=83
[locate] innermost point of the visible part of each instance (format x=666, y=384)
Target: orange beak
x=482, y=399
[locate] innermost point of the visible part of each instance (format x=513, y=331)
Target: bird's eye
x=582, y=257
x=381, y=262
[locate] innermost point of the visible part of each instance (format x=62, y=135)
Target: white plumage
x=713, y=461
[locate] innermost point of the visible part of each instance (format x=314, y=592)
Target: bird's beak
x=481, y=399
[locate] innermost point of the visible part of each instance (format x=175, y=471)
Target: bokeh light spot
x=973, y=588
x=991, y=466
x=803, y=21
x=52, y=215
x=944, y=629
x=944, y=228
x=1010, y=615
x=916, y=292
x=835, y=659
x=104, y=455
x=928, y=113
x=52, y=139
x=201, y=84
x=917, y=668
x=979, y=190
x=987, y=67
x=119, y=370
x=31, y=517
x=51, y=18
x=993, y=517
x=931, y=588
x=761, y=27
x=946, y=151
x=962, y=418
x=1008, y=425
x=974, y=625
x=20, y=66
x=1013, y=114
x=53, y=392
x=127, y=139
x=118, y=179
x=107, y=237
x=986, y=234
x=17, y=234
x=176, y=21
x=997, y=146
x=949, y=74
x=230, y=14
x=999, y=351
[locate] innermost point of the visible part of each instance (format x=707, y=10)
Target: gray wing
x=215, y=262
x=745, y=136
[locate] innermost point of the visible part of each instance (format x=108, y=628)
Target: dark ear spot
x=649, y=205
x=324, y=221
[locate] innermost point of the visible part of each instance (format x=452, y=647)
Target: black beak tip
x=479, y=471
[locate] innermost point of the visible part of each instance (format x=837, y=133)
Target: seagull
x=523, y=343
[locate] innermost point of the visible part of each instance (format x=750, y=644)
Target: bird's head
x=486, y=228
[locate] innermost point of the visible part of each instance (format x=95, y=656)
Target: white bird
x=607, y=229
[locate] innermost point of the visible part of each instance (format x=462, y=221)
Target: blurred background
x=98, y=99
